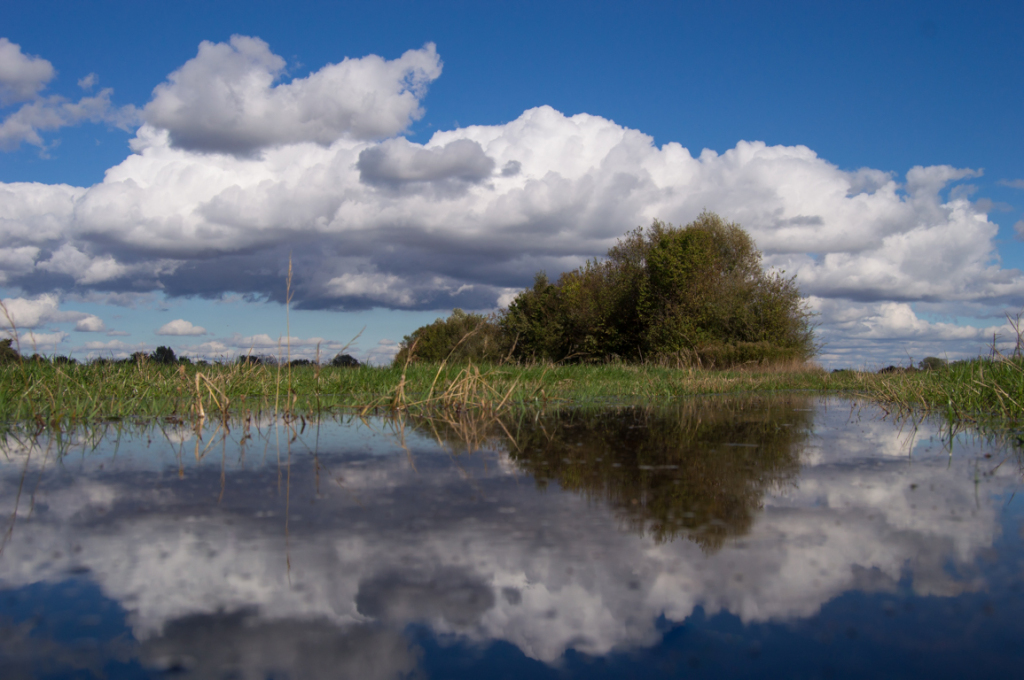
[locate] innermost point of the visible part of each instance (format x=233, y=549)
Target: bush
x=163, y=355
x=931, y=364
x=696, y=294
x=8, y=355
x=344, y=361
x=459, y=338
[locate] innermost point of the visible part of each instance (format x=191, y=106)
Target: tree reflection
x=697, y=469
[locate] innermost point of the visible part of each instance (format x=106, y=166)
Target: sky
x=161, y=164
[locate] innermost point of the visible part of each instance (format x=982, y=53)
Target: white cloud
x=469, y=216
x=111, y=349
x=385, y=288
x=382, y=353
x=22, y=79
x=91, y=324
x=225, y=99
x=21, y=76
x=180, y=327
x=263, y=345
x=1012, y=183
x=27, y=314
x=892, y=332
x=52, y=113
x=41, y=343
x=33, y=312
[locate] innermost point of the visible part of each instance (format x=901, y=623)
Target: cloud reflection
x=378, y=538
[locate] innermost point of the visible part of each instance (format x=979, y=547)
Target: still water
x=781, y=537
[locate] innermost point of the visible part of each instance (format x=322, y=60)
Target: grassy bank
x=983, y=390
x=55, y=394
x=58, y=395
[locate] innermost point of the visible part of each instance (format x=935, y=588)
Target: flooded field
x=776, y=537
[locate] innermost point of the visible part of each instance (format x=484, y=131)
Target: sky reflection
x=373, y=548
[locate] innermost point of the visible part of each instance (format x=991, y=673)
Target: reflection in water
x=722, y=538
x=695, y=468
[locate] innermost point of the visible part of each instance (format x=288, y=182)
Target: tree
x=696, y=294
x=163, y=355
x=8, y=355
x=461, y=337
x=344, y=361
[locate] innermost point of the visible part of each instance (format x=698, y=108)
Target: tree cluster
x=695, y=295
x=460, y=338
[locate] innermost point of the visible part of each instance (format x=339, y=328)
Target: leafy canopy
x=693, y=295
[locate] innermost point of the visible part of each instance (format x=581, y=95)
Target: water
x=782, y=537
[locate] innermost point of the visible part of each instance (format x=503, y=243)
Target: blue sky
x=397, y=233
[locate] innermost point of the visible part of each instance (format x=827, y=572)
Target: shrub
x=696, y=294
x=344, y=361
x=461, y=337
x=931, y=364
x=163, y=355
x=8, y=355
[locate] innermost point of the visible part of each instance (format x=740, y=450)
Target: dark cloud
x=398, y=163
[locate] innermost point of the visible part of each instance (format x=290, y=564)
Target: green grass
x=61, y=395
x=983, y=390
x=55, y=394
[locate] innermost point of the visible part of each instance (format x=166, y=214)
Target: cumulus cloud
x=400, y=163
x=22, y=78
x=180, y=327
x=36, y=311
x=225, y=98
x=91, y=324
x=236, y=169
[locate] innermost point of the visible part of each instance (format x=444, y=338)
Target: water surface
x=777, y=537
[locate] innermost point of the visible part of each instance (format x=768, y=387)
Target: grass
x=980, y=391
x=54, y=395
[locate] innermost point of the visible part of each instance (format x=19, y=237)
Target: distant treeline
x=166, y=355
x=694, y=296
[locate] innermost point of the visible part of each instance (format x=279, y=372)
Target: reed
x=56, y=395
x=983, y=390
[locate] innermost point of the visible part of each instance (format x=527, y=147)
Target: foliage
x=341, y=360
x=55, y=395
x=8, y=355
x=979, y=390
x=695, y=295
x=459, y=338
x=163, y=355
x=931, y=364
